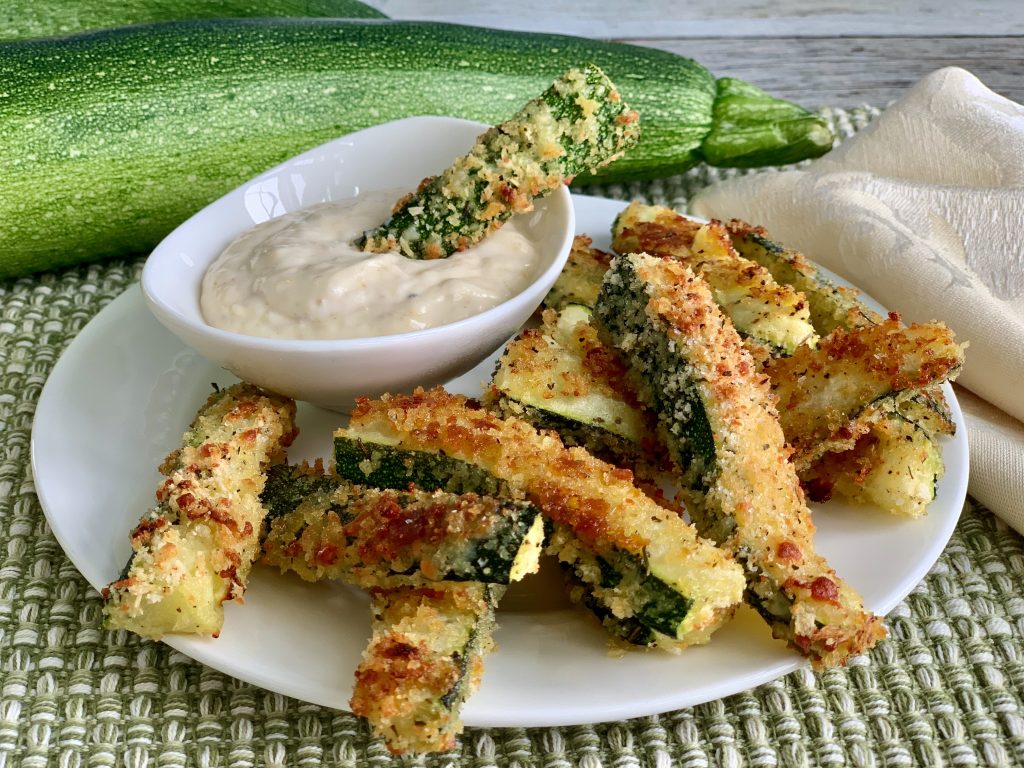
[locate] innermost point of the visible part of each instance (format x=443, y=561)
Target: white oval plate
x=118, y=401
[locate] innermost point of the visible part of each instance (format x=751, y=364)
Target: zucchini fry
x=653, y=550
x=424, y=659
x=765, y=312
x=578, y=124
x=425, y=558
x=193, y=551
x=822, y=392
x=830, y=306
x=891, y=466
x=375, y=538
x=718, y=420
x=870, y=473
x=561, y=377
x=580, y=278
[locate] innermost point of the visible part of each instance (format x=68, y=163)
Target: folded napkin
x=924, y=210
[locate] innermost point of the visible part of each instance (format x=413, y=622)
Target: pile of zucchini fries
x=703, y=353
x=436, y=502
x=712, y=351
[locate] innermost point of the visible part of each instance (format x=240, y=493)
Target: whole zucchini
x=110, y=139
x=25, y=19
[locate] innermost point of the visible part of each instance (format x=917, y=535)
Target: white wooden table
x=839, y=53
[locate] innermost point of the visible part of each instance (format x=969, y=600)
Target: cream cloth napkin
x=924, y=210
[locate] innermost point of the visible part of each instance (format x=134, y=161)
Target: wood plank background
x=726, y=18
x=851, y=71
x=825, y=52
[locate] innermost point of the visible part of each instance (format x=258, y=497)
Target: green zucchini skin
x=23, y=19
x=749, y=125
x=321, y=526
x=108, y=140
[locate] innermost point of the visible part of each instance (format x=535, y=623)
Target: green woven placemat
x=945, y=688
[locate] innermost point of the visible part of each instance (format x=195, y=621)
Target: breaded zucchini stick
x=578, y=124
x=830, y=306
x=823, y=391
x=664, y=574
x=424, y=660
x=868, y=473
x=764, y=311
x=893, y=466
x=375, y=538
x=560, y=376
x=718, y=420
x=419, y=554
x=193, y=551
x=580, y=278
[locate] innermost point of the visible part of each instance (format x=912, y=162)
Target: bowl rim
x=161, y=309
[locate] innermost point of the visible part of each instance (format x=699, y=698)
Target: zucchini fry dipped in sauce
x=384, y=538
x=765, y=312
x=641, y=558
x=425, y=658
x=193, y=551
x=717, y=418
x=580, y=123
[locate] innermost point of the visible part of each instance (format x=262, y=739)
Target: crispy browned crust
x=387, y=538
x=596, y=500
x=654, y=229
x=766, y=311
x=531, y=355
x=580, y=278
x=895, y=465
x=831, y=306
x=424, y=659
x=822, y=392
x=753, y=503
x=195, y=549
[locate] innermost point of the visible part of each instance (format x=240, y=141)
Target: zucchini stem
x=750, y=128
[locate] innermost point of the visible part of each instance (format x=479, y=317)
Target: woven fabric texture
x=945, y=688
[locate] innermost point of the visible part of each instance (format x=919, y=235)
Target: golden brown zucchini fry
x=579, y=124
x=612, y=520
x=830, y=306
x=193, y=551
x=766, y=312
x=891, y=466
x=822, y=392
x=560, y=376
x=424, y=660
x=580, y=278
x=719, y=422
x=384, y=538
x=833, y=307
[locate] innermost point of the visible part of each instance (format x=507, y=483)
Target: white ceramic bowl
x=332, y=373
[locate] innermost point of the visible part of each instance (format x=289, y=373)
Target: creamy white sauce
x=299, y=277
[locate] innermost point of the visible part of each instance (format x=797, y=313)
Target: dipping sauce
x=299, y=277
